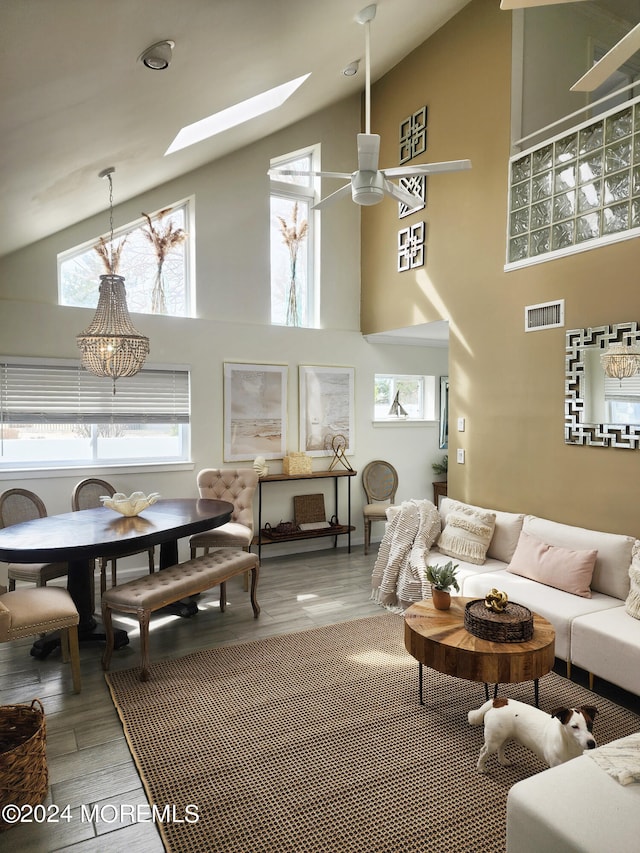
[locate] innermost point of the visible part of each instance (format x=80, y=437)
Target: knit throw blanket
x=398, y=574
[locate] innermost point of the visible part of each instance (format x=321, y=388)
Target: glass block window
x=577, y=191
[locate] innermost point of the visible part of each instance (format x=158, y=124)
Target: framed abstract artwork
x=255, y=411
x=326, y=409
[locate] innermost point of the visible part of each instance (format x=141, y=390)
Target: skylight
x=237, y=114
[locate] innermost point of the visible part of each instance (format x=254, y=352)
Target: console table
x=337, y=530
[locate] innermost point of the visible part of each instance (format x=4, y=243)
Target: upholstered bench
x=151, y=592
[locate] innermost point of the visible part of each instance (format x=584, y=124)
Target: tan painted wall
x=507, y=384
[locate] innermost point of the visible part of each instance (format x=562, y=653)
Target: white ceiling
x=74, y=99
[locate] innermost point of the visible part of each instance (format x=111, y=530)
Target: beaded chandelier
x=620, y=361
x=111, y=345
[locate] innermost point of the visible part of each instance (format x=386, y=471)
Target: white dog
x=555, y=737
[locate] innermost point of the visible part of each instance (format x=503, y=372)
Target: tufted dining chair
x=86, y=495
x=380, y=482
x=27, y=612
x=18, y=505
x=238, y=486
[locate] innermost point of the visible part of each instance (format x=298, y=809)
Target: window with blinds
x=622, y=399
x=55, y=413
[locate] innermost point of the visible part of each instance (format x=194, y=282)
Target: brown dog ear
x=563, y=714
x=589, y=709
x=588, y=712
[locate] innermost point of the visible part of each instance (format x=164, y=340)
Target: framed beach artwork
x=326, y=408
x=255, y=411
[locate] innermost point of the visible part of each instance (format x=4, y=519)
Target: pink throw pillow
x=562, y=568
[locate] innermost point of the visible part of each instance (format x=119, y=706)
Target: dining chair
x=238, y=486
x=27, y=612
x=86, y=495
x=18, y=505
x=380, y=482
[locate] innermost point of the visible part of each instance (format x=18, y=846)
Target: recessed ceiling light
x=158, y=56
x=237, y=114
x=352, y=68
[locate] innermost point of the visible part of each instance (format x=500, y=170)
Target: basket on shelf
x=24, y=776
x=281, y=530
x=513, y=625
x=296, y=463
x=309, y=512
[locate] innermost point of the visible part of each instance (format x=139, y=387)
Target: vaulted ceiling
x=75, y=99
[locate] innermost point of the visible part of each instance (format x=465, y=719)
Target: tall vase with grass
x=293, y=235
x=163, y=237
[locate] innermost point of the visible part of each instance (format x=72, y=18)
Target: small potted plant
x=442, y=578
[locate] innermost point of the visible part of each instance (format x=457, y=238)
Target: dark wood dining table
x=77, y=538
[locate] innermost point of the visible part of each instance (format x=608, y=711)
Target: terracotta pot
x=441, y=599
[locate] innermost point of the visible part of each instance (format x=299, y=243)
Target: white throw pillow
x=467, y=534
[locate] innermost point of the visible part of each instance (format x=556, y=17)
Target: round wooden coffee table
x=438, y=638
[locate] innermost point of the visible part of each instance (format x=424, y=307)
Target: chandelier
x=620, y=361
x=111, y=345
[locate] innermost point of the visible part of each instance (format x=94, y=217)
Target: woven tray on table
x=513, y=625
x=24, y=777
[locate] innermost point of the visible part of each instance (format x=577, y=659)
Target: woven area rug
x=316, y=742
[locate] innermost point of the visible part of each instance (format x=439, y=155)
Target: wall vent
x=546, y=315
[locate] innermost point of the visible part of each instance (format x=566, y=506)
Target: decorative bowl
x=132, y=505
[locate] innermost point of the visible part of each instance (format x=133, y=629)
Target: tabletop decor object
x=513, y=625
x=130, y=505
x=496, y=600
x=442, y=578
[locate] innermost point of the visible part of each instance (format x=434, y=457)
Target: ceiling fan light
x=157, y=57
x=367, y=188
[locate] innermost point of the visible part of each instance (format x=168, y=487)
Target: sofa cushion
x=559, y=607
x=467, y=533
x=611, y=571
x=562, y=568
x=506, y=532
x=606, y=643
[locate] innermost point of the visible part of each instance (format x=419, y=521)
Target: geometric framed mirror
x=600, y=409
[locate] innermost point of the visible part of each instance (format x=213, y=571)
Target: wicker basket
x=296, y=463
x=24, y=777
x=308, y=509
x=513, y=625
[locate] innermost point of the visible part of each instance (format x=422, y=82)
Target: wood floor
x=88, y=758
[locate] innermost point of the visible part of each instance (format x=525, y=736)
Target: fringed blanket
x=398, y=574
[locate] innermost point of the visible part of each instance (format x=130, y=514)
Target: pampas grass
x=163, y=238
x=292, y=237
x=110, y=254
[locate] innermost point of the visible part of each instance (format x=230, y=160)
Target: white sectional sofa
x=595, y=633
x=576, y=807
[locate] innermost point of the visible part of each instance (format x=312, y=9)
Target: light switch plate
x=460, y=456
x=460, y=424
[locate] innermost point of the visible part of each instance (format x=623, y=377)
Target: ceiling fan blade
x=331, y=198
x=427, y=168
x=528, y=4
x=368, y=152
x=273, y=173
x=610, y=62
x=402, y=195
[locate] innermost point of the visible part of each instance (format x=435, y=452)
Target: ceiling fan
x=605, y=67
x=369, y=184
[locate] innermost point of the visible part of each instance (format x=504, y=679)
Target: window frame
x=78, y=397
x=427, y=390
x=188, y=203
x=311, y=195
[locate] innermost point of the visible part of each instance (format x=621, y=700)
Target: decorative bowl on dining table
x=129, y=505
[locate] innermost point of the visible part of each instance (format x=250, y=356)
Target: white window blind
x=64, y=393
